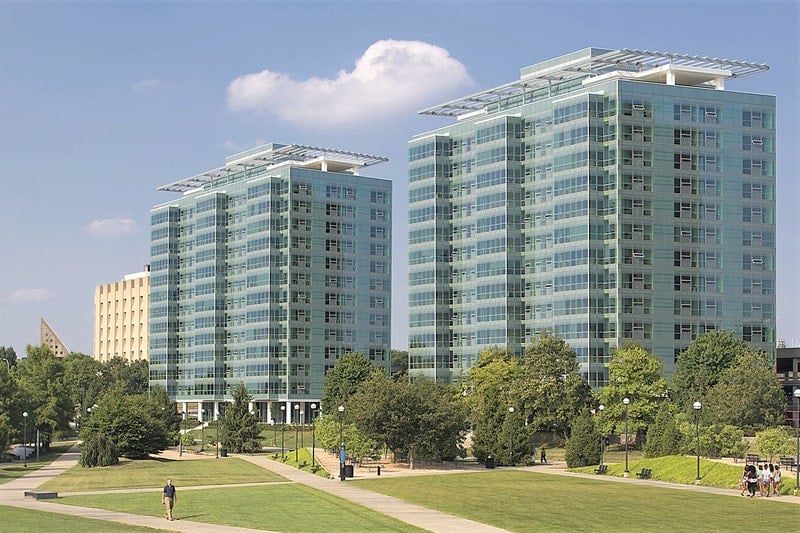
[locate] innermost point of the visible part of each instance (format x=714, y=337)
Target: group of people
x=766, y=479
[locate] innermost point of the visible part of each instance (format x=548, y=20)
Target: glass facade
x=614, y=206
x=266, y=271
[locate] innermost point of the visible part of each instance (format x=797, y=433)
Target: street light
x=313, y=437
x=342, y=449
x=626, y=401
x=283, y=430
x=510, y=437
x=216, y=447
x=203, y=430
x=697, y=406
x=25, y=437
x=601, y=408
x=296, y=419
x=797, y=438
x=180, y=442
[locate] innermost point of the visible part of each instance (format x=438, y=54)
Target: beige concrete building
x=121, y=316
x=49, y=337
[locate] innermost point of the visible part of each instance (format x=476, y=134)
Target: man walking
x=168, y=499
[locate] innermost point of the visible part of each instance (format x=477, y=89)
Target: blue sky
x=103, y=102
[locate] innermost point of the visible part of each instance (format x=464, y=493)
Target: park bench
x=602, y=469
x=788, y=462
x=752, y=459
x=40, y=495
x=645, y=473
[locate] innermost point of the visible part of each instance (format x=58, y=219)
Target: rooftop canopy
x=589, y=63
x=276, y=154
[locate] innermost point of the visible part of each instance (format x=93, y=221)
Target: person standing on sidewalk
x=168, y=498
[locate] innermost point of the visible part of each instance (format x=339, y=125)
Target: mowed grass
x=287, y=508
x=31, y=521
x=528, y=501
x=15, y=469
x=130, y=474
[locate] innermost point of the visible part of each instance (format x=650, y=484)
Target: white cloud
x=392, y=77
x=150, y=84
x=22, y=296
x=111, y=227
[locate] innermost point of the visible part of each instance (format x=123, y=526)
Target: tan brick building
x=121, y=316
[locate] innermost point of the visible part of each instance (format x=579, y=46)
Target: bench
x=645, y=473
x=752, y=459
x=602, y=469
x=40, y=495
x=788, y=462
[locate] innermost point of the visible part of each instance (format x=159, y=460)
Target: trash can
x=223, y=452
x=490, y=462
x=348, y=470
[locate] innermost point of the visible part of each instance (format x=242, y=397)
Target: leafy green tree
x=357, y=445
x=133, y=376
x=43, y=393
x=551, y=391
x=775, y=442
x=98, y=450
x=488, y=393
x=664, y=437
x=638, y=375
x=239, y=426
x=343, y=380
x=8, y=407
x=84, y=379
x=701, y=365
x=8, y=353
x=399, y=364
x=583, y=445
x=747, y=394
x=133, y=422
x=422, y=418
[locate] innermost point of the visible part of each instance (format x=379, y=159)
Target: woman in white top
x=776, y=480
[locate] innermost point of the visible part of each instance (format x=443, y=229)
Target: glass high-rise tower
x=606, y=196
x=264, y=272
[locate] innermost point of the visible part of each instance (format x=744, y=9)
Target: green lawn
x=15, y=469
x=527, y=501
x=130, y=474
x=281, y=507
x=30, y=521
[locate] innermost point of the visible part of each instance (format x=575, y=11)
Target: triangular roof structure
x=50, y=338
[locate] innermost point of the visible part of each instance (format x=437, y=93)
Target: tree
x=133, y=377
x=748, y=394
x=133, y=422
x=635, y=374
x=84, y=379
x=43, y=393
x=239, y=426
x=399, y=367
x=422, y=418
x=8, y=407
x=98, y=450
x=488, y=393
x=8, y=353
x=343, y=380
x=701, y=365
x=551, y=390
x=583, y=445
x=774, y=442
x=664, y=437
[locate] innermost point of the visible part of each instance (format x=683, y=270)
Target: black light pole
x=274, y=432
x=342, y=449
x=25, y=437
x=697, y=406
x=180, y=441
x=313, y=437
x=216, y=447
x=203, y=430
x=296, y=420
x=797, y=438
x=601, y=408
x=510, y=437
x=302, y=428
x=283, y=430
x=626, y=401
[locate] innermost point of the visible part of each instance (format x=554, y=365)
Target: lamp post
x=296, y=420
x=180, y=441
x=216, y=438
x=313, y=437
x=203, y=430
x=510, y=437
x=697, y=406
x=302, y=428
x=797, y=438
x=25, y=439
x=283, y=431
x=601, y=408
x=8, y=364
x=342, y=449
x=626, y=401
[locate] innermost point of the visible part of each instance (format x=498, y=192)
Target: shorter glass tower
x=264, y=272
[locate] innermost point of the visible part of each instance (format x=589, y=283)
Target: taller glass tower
x=266, y=271
x=606, y=196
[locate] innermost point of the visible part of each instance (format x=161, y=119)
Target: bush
x=98, y=450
